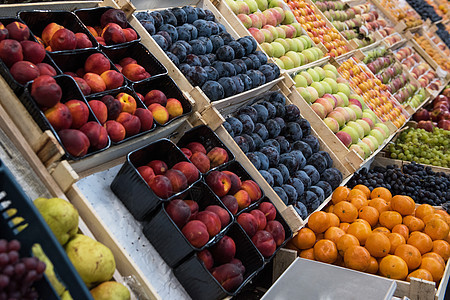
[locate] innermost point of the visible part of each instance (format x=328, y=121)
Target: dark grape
x=14, y=245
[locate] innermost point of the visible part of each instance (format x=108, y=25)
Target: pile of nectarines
x=55, y=37
x=130, y=68
x=163, y=108
x=205, y=160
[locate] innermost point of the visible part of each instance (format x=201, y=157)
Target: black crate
x=168, y=239
x=205, y=136
x=37, y=20
x=91, y=17
x=70, y=91
x=166, y=85
x=199, y=282
x=142, y=56
x=36, y=231
x=139, y=104
x=131, y=188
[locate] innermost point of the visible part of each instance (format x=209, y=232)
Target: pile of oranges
x=378, y=233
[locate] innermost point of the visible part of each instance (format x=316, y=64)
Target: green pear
x=94, y=261
x=49, y=269
x=110, y=290
x=60, y=215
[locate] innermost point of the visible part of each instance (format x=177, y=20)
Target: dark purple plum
x=193, y=60
x=289, y=161
x=205, y=61
x=235, y=124
x=186, y=45
x=272, y=143
x=333, y=176
x=267, y=177
x=256, y=62
x=198, y=48
x=327, y=157
x=248, y=63
x=211, y=57
x=268, y=72
x=257, y=78
x=247, y=44
x=180, y=15
x=229, y=69
x=197, y=76
x=213, y=90
x=250, y=142
x=149, y=26
x=276, y=69
x=318, y=161
x=167, y=37
x=184, y=68
x=313, y=142
x=183, y=34
x=262, y=113
x=250, y=111
x=179, y=51
x=246, y=80
x=207, y=43
x=261, y=130
x=239, y=84
x=292, y=113
x=221, y=27
x=272, y=154
x=284, y=171
x=319, y=192
x=191, y=13
x=214, y=27
x=312, y=173
x=220, y=67
x=242, y=143
x=239, y=50
x=262, y=57
x=225, y=53
x=227, y=38
x=326, y=187
x=303, y=147
x=228, y=85
x=171, y=30
x=280, y=122
x=254, y=159
x=282, y=194
x=169, y=17
x=290, y=192
x=209, y=16
x=144, y=16
x=263, y=159
x=277, y=176
x=239, y=65
x=157, y=19
x=280, y=108
x=161, y=41
x=306, y=127
x=304, y=178
x=173, y=58
x=271, y=110
x=213, y=75
x=298, y=185
x=247, y=124
x=258, y=140
x=300, y=208
x=203, y=28
x=273, y=127
x=285, y=146
x=200, y=13
x=228, y=128
x=307, y=198
x=292, y=132
x=217, y=42
x=299, y=157
x=192, y=30
x=254, y=42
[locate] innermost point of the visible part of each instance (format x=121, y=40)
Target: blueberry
x=197, y=76
x=282, y=194
x=173, y=58
x=228, y=85
x=246, y=80
x=213, y=90
x=225, y=53
x=161, y=41
x=312, y=173
x=213, y=75
x=267, y=177
x=263, y=159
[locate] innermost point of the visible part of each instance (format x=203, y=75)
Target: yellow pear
x=110, y=290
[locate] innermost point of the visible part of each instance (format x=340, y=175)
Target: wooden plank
x=420, y=289
x=64, y=175
x=440, y=294
x=282, y=260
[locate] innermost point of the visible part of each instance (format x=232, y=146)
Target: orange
x=333, y=234
x=319, y=236
x=356, y=193
x=373, y=266
x=420, y=274
x=340, y=194
x=442, y=248
x=381, y=192
x=410, y=254
x=344, y=226
x=396, y=240
x=433, y=266
x=304, y=239
x=346, y=211
x=357, y=258
x=325, y=251
x=363, y=188
x=370, y=214
x=380, y=204
x=413, y=223
x=358, y=201
x=435, y=256
x=339, y=261
x=393, y=267
x=444, y=214
x=330, y=208
x=334, y=220
x=421, y=241
x=360, y=230
x=447, y=239
x=319, y=221
x=345, y=242
x=403, y=205
x=382, y=230
x=390, y=218
x=308, y=254
x=423, y=210
x=430, y=217
x=378, y=244
x=437, y=229
x=401, y=229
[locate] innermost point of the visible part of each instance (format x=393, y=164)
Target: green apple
x=281, y=33
x=292, y=45
x=357, y=127
x=298, y=27
x=233, y=6
x=310, y=56
x=288, y=17
x=276, y=3
x=374, y=116
x=344, y=98
x=371, y=141
x=378, y=135
x=278, y=49
x=319, y=53
x=353, y=133
x=268, y=48
x=284, y=43
x=300, y=81
x=351, y=113
x=357, y=110
x=279, y=63
x=302, y=58
x=358, y=149
x=288, y=63
x=326, y=87
x=314, y=75
x=366, y=149
x=364, y=126
x=319, y=88
x=321, y=72
x=262, y=4
x=330, y=67
x=344, y=88
x=359, y=98
x=384, y=127
x=307, y=76
x=333, y=84
x=305, y=94
x=252, y=5
x=313, y=92
x=329, y=74
x=294, y=57
x=306, y=41
x=299, y=44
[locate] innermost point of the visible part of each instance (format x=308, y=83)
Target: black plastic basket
x=36, y=231
x=205, y=136
x=91, y=17
x=70, y=91
x=168, y=239
x=131, y=188
x=37, y=20
x=199, y=282
x=142, y=56
x=166, y=85
x=139, y=104
x=17, y=87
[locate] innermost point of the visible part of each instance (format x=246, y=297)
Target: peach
x=206, y=257
x=253, y=190
x=128, y=102
x=174, y=108
x=92, y=31
x=32, y=51
x=83, y=41
x=96, y=133
x=126, y=61
x=46, y=69
x=219, y=183
x=196, y=147
x=45, y=91
x=118, y=67
x=135, y=72
x=217, y=156
x=18, y=31
x=231, y=203
x=277, y=231
x=99, y=30
x=95, y=82
x=113, y=34
x=189, y=170
x=115, y=130
x=201, y=161
x=79, y=111
x=82, y=84
x=155, y=96
x=161, y=186
x=100, y=40
x=4, y=34
x=158, y=166
x=243, y=199
x=238, y=263
x=71, y=74
x=140, y=97
x=146, y=172
x=131, y=123
x=10, y=52
x=248, y=223
x=146, y=118
x=40, y=41
x=224, y=251
x=24, y=71
x=260, y=218
x=97, y=63
x=114, y=16
x=235, y=182
x=130, y=34
x=179, y=212
x=49, y=31
x=264, y=242
x=75, y=142
x=186, y=152
x=211, y=220
x=229, y=276
x=59, y=116
x=224, y=216
x=100, y=110
x=177, y=179
x=63, y=39
x=269, y=210
x=194, y=208
x=159, y=112
x=196, y=233
x=112, y=79
x=113, y=105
